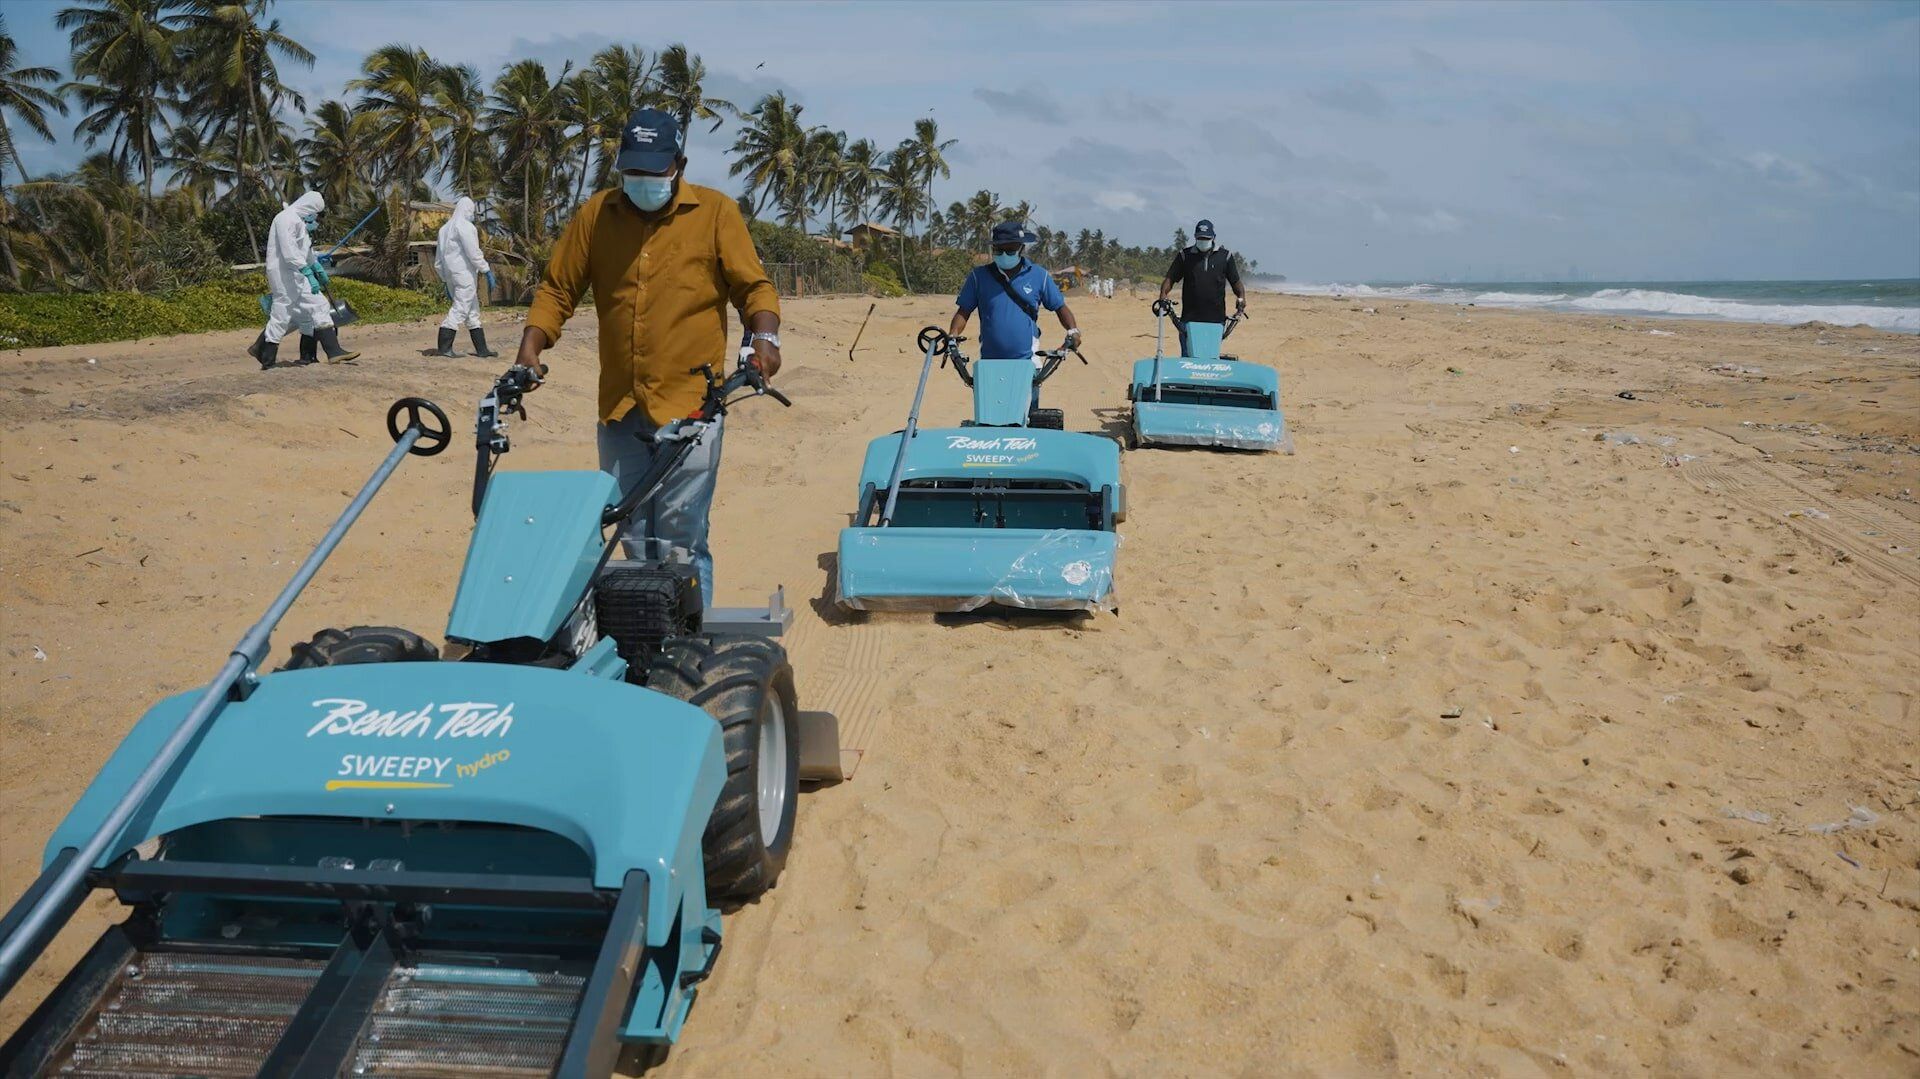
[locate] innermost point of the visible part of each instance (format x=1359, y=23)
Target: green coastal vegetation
x=196, y=142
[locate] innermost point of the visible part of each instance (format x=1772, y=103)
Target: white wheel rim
x=771, y=762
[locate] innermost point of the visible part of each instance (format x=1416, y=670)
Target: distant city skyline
x=1330, y=142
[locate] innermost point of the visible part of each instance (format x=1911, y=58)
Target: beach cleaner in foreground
x=298, y=284
x=1204, y=270
x=458, y=260
x=665, y=257
x=1009, y=292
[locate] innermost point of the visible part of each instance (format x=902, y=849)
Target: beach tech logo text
x=1206, y=370
x=464, y=719
x=968, y=442
x=345, y=716
x=1011, y=444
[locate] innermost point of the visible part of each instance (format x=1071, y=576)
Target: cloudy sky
x=1331, y=142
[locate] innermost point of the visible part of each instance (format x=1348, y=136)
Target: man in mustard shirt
x=664, y=258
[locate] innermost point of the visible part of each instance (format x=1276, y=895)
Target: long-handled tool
x=1161, y=310
x=934, y=342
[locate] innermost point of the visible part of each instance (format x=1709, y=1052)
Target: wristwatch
x=770, y=338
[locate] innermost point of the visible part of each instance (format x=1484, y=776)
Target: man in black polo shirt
x=1204, y=270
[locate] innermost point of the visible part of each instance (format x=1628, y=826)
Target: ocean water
x=1886, y=305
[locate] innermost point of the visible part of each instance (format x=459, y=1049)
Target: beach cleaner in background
x=458, y=260
x=1009, y=292
x=1204, y=269
x=298, y=286
x=1204, y=397
x=681, y=253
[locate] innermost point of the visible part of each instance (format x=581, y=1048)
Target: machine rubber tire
x=1047, y=419
x=744, y=683
x=361, y=644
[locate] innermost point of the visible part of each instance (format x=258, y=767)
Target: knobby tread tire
x=731, y=678
x=1047, y=419
x=361, y=644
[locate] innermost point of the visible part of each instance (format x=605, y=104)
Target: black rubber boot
x=309, y=349
x=265, y=351
x=445, y=347
x=480, y=348
x=330, y=340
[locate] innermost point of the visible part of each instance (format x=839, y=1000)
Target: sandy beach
x=1554, y=710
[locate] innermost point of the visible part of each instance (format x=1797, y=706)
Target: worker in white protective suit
x=298, y=285
x=460, y=263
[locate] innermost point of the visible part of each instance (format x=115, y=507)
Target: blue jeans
x=676, y=515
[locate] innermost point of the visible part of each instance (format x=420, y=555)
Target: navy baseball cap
x=1202, y=231
x=1012, y=232
x=650, y=142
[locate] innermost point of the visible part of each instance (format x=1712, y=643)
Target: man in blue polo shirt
x=1009, y=293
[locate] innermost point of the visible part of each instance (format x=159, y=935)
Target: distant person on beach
x=665, y=258
x=458, y=260
x=1204, y=270
x=297, y=283
x=1009, y=293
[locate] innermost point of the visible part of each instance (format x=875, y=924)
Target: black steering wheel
x=1163, y=307
x=422, y=415
x=932, y=339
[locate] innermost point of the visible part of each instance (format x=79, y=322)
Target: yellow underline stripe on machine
x=381, y=785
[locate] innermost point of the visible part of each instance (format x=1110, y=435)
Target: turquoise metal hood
x=627, y=774
x=995, y=453
x=534, y=548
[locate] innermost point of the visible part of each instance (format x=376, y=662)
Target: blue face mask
x=310, y=223
x=1203, y=245
x=1006, y=262
x=649, y=193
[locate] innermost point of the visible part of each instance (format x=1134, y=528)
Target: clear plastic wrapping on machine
x=1208, y=425
x=964, y=569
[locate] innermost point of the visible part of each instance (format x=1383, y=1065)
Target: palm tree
x=22, y=96
x=200, y=165
x=982, y=211
x=396, y=86
x=929, y=153
x=336, y=154
x=231, y=62
x=825, y=152
x=902, y=198
x=626, y=83
x=770, y=150
x=859, y=176
x=527, y=123
x=584, y=107
x=466, y=155
x=124, y=62
x=680, y=90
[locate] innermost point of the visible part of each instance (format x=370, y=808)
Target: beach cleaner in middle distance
x=994, y=512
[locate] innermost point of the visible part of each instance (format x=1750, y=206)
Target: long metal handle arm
x=906, y=437
x=43, y=920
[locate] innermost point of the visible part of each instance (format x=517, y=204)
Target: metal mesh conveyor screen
x=178, y=1014
x=453, y=1020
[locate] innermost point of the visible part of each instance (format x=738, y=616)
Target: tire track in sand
x=846, y=670
x=1863, y=531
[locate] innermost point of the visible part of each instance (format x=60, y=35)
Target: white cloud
x=1119, y=200
x=1437, y=221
